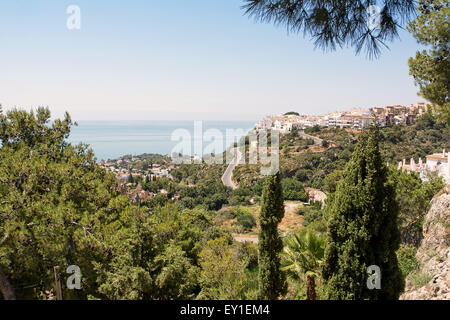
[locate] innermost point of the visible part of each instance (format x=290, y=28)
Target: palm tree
x=302, y=259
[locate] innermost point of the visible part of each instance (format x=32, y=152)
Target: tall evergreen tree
x=130, y=178
x=362, y=228
x=272, y=282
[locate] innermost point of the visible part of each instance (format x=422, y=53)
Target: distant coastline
x=114, y=139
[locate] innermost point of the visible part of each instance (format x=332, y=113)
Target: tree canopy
x=431, y=68
x=272, y=282
x=362, y=228
x=54, y=200
x=59, y=208
x=336, y=23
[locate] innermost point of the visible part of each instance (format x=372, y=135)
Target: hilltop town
x=150, y=167
x=356, y=118
x=147, y=165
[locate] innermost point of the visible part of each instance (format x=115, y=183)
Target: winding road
x=226, y=178
x=317, y=140
x=237, y=155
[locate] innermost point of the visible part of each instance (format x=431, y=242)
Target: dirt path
x=291, y=221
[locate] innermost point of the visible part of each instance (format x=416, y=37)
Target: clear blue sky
x=184, y=60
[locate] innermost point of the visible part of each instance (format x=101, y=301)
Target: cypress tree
x=272, y=282
x=362, y=228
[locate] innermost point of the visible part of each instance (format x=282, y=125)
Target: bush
x=310, y=215
x=313, y=219
x=159, y=200
x=247, y=221
x=216, y=201
x=419, y=279
x=241, y=211
x=223, y=215
x=250, y=251
x=407, y=260
x=251, y=286
x=314, y=129
x=240, y=196
x=301, y=175
x=222, y=275
x=258, y=187
x=293, y=190
x=237, y=228
x=188, y=202
x=317, y=226
x=317, y=205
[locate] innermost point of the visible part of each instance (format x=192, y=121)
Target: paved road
x=226, y=178
x=317, y=140
x=246, y=239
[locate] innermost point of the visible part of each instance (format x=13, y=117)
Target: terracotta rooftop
x=437, y=156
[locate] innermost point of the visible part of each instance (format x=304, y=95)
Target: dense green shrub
x=407, y=260
x=247, y=221
x=293, y=190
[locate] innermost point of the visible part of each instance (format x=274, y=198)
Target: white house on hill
x=438, y=162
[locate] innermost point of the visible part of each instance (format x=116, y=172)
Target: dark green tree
x=362, y=228
x=54, y=202
x=336, y=23
x=294, y=133
x=146, y=263
x=413, y=196
x=431, y=68
x=293, y=190
x=222, y=275
x=272, y=282
x=130, y=178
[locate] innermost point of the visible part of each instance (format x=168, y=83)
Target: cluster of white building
x=122, y=169
x=390, y=115
x=438, y=162
x=355, y=118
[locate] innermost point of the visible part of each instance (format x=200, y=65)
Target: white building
x=264, y=124
x=438, y=162
x=282, y=126
x=441, y=164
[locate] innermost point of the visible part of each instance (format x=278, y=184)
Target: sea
x=113, y=139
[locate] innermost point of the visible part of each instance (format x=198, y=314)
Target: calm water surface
x=112, y=139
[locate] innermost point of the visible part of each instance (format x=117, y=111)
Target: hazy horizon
x=183, y=61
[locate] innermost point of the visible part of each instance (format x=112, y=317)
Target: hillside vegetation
x=303, y=161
